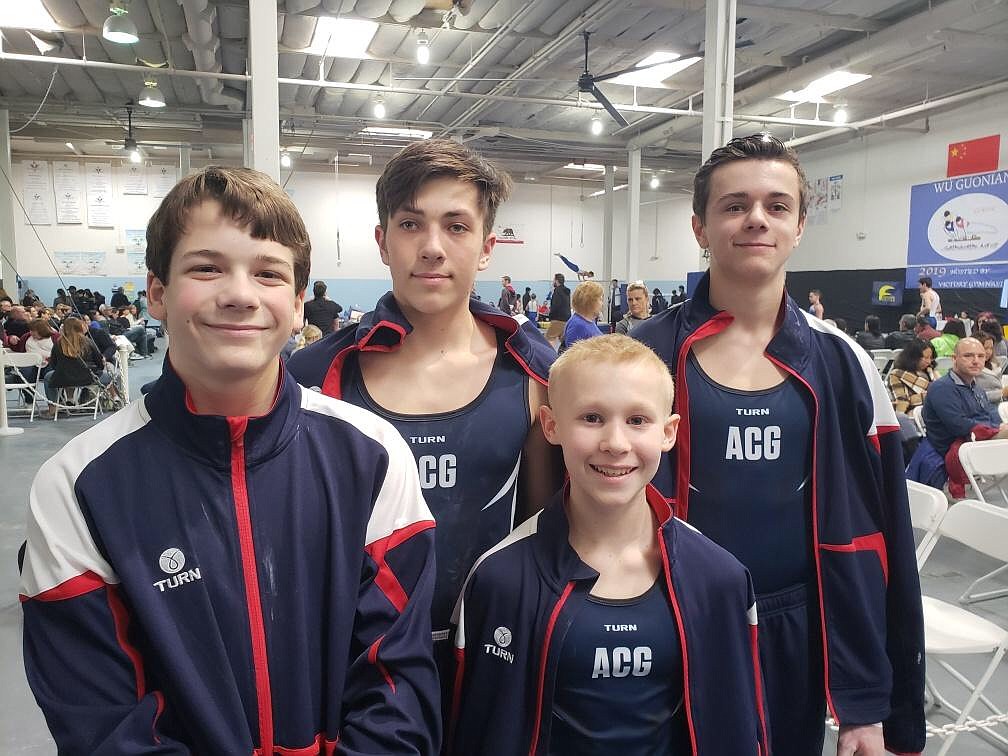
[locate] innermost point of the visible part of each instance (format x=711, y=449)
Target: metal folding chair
x=16, y=380
x=950, y=630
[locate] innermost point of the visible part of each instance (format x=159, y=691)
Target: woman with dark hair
x=871, y=337
x=945, y=344
x=989, y=380
x=988, y=324
x=658, y=301
x=911, y=375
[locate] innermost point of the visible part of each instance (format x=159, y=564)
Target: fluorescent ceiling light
x=669, y=63
x=342, y=37
x=585, y=167
x=600, y=192
x=596, y=126
x=26, y=14
x=823, y=86
x=392, y=131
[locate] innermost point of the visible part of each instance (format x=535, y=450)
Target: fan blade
x=597, y=94
x=613, y=74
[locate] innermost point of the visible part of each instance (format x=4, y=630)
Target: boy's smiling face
x=230, y=302
x=612, y=439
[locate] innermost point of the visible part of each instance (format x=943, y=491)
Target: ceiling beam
x=797, y=17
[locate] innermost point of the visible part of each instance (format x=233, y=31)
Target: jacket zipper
x=260, y=661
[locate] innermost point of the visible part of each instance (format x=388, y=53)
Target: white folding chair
x=927, y=508
x=16, y=380
x=950, y=630
x=917, y=414
x=884, y=359
x=986, y=466
x=68, y=399
x=1003, y=411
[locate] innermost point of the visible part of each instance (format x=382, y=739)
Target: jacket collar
x=208, y=437
x=386, y=327
x=557, y=560
x=790, y=344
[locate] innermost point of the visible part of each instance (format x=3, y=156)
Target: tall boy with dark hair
x=459, y=379
x=232, y=564
x=789, y=457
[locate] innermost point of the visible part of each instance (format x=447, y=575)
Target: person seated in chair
x=75, y=361
x=955, y=405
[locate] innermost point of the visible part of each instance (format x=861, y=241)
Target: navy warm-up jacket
x=232, y=586
x=863, y=549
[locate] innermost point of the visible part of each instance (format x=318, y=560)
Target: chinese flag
x=974, y=156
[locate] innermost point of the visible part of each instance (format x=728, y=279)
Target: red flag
x=974, y=156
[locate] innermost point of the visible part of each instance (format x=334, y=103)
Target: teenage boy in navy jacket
x=459, y=379
x=232, y=564
x=603, y=624
x=789, y=457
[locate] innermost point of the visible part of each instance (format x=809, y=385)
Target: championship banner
x=959, y=232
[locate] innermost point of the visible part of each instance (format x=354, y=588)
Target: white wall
x=878, y=172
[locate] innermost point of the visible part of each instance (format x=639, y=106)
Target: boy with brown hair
x=604, y=625
x=271, y=590
x=459, y=379
x=788, y=457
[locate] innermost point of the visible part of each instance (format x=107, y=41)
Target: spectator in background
x=532, y=308
x=30, y=298
x=905, y=334
x=525, y=298
x=16, y=328
x=911, y=374
x=140, y=303
x=841, y=325
x=587, y=303
x=930, y=301
x=989, y=379
x=955, y=405
x=945, y=343
x=61, y=298
x=39, y=342
x=560, y=310
x=615, y=304
x=321, y=311
x=658, y=301
x=508, y=300
x=924, y=330
x=966, y=321
x=871, y=337
x=987, y=323
x=815, y=303
x=637, y=302
x=119, y=298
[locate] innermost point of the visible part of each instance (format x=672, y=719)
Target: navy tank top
x=750, y=475
x=619, y=683
x=468, y=463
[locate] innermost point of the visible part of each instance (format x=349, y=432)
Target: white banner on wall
x=99, y=194
x=69, y=189
x=36, y=192
x=163, y=178
x=80, y=263
x=835, y=193
x=134, y=179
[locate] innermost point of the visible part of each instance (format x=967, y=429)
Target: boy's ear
x=700, y=232
x=379, y=237
x=547, y=421
x=156, y=298
x=670, y=431
x=487, y=251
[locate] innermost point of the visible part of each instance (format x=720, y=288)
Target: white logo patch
x=502, y=639
x=171, y=560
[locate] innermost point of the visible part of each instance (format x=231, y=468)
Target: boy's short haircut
x=585, y=294
x=816, y=292
x=611, y=349
x=250, y=198
x=422, y=161
x=926, y=280
x=753, y=147
x=637, y=286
